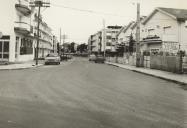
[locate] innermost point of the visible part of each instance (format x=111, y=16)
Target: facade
x=18, y=41
x=165, y=30
x=124, y=35
x=111, y=40
x=46, y=37
x=95, y=42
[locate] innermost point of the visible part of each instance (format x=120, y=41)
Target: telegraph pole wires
x=39, y=4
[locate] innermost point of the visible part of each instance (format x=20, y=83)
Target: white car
x=92, y=57
x=52, y=58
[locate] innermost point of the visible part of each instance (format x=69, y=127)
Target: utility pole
x=60, y=41
x=138, y=37
x=39, y=4
x=104, y=38
x=64, y=37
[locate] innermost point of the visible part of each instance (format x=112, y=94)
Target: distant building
x=96, y=43
x=111, y=39
x=18, y=42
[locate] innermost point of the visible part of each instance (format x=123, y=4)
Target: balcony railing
x=23, y=7
x=23, y=28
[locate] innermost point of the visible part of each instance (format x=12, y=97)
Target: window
x=108, y=37
x=108, y=44
x=158, y=26
x=151, y=31
x=26, y=46
x=167, y=30
x=6, y=46
x=17, y=42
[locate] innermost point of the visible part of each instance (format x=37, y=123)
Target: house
x=124, y=34
x=165, y=30
x=18, y=26
x=121, y=35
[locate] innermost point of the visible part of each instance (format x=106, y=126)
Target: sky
x=78, y=24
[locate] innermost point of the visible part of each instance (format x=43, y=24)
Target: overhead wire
x=88, y=11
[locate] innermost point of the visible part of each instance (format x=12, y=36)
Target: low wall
x=165, y=63
x=184, y=64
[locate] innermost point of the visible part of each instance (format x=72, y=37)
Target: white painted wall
x=167, y=28
x=158, y=22
x=183, y=37
x=7, y=16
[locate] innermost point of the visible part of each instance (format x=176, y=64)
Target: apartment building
x=18, y=27
x=95, y=42
x=46, y=37
x=111, y=40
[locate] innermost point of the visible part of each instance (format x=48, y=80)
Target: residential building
x=111, y=40
x=121, y=35
x=46, y=37
x=165, y=30
x=95, y=42
x=18, y=42
x=125, y=33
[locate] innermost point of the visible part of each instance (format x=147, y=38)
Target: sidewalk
x=21, y=65
x=178, y=78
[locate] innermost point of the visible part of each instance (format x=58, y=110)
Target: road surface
x=80, y=94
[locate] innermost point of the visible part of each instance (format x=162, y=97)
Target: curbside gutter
x=180, y=82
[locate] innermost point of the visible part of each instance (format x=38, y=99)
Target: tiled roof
x=180, y=14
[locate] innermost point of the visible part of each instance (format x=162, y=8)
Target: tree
x=72, y=47
x=82, y=48
x=120, y=49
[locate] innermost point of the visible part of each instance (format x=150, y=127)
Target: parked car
x=99, y=59
x=52, y=58
x=92, y=57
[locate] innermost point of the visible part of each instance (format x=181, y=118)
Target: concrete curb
x=21, y=68
x=154, y=75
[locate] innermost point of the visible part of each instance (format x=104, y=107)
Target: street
x=82, y=94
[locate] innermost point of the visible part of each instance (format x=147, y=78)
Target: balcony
x=23, y=7
x=23, y=28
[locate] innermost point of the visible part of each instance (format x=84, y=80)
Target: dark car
x=99, y=59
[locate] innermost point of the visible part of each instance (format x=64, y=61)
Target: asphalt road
x=80, y=94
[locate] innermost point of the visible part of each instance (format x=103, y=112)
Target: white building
x=111, y=40
x=165, y=29
x=124, y=35
x=19, y=33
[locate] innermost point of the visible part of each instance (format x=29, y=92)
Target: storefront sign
x=171, y=47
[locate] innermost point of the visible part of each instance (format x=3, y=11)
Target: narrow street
x=82, y=94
